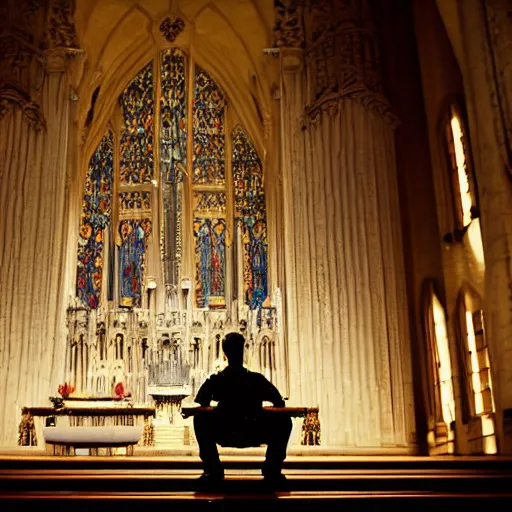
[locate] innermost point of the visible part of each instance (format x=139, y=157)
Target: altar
x=100, y=425
x=84, y=414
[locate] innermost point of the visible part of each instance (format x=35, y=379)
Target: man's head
x=233, y=346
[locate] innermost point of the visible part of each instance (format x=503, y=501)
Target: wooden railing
x=310, y=435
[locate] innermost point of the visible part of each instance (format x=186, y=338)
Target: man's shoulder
x=258, y=377
x=215, y=377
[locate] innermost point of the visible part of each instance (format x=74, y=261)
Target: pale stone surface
x=336, y=271
x=338, y=243
x=33, y=270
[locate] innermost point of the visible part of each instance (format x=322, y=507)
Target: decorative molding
x=342, y=58
x=33, y=33
x=172, y=28
x=12, y=96
x=292, y=60
x=61, y=31
x=288, y=29
x=21, y=32
x=61, y=41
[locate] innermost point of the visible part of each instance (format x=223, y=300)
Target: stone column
x=346, y=309
x=481, y=34
x=34, y=122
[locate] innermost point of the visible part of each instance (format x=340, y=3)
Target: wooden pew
x=293, y=412
x=310, y=426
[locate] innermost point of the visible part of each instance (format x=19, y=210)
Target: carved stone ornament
x=61, y=41
x=21, y=75
x=342, y=57
x=61, y=32
x=289, y=26
x=35, y=35
x=12, y=96
x=172, y=28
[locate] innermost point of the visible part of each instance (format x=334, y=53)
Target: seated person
x=239, y=419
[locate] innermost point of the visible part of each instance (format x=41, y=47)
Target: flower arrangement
x=65, y=390
x=120, y=392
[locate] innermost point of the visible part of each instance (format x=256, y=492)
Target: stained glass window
x=210, y=203
x=210, y=236
x=96, y=208
x=136, y=165
x=210, y=254
x=137, y=200
x=173, y=155
x=209, y=134
x=250, y=216
x=173, y=116
x=134, y=235
x=212, y=194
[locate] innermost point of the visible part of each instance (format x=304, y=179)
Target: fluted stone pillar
x=34, y=122
x=348, y=336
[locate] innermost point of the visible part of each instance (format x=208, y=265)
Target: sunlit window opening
x=474, y=236
x=444, y=363
x=481, y=379
x=460, y=159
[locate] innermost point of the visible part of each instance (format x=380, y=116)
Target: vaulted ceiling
x=227, y=38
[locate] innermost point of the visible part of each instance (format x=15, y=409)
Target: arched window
x=477, y=372
x=463, y=184
x=438, y=377
x=460, y=163
x=186, y=174
x=94, y=221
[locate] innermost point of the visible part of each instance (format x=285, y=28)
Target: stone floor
x=30, y=481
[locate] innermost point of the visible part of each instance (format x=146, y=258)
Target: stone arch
x=215, y=34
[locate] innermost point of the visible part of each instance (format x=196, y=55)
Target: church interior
x=330, y=178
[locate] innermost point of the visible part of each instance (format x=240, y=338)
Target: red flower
x=66, y=389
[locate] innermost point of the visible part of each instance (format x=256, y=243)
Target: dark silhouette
x=239, y=420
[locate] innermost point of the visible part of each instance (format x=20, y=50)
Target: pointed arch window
x=251, y=223
x=476, y=369
x=438, y=379
x=463, y=183
x=456, y=138
x=199, y=192
x=94, y=222
x=135, y=176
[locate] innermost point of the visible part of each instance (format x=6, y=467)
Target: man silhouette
x=239, y=419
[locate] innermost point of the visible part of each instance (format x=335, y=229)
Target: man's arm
x=271, y=394
x=205, y=394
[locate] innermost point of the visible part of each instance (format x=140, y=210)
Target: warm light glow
x=488, y=365
x=478, y=389
x=475, y=243
x=445, y=367
x=475, y=369
x=487, y=425
x=490, y=447
x=460, y=158
x=487, y=420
